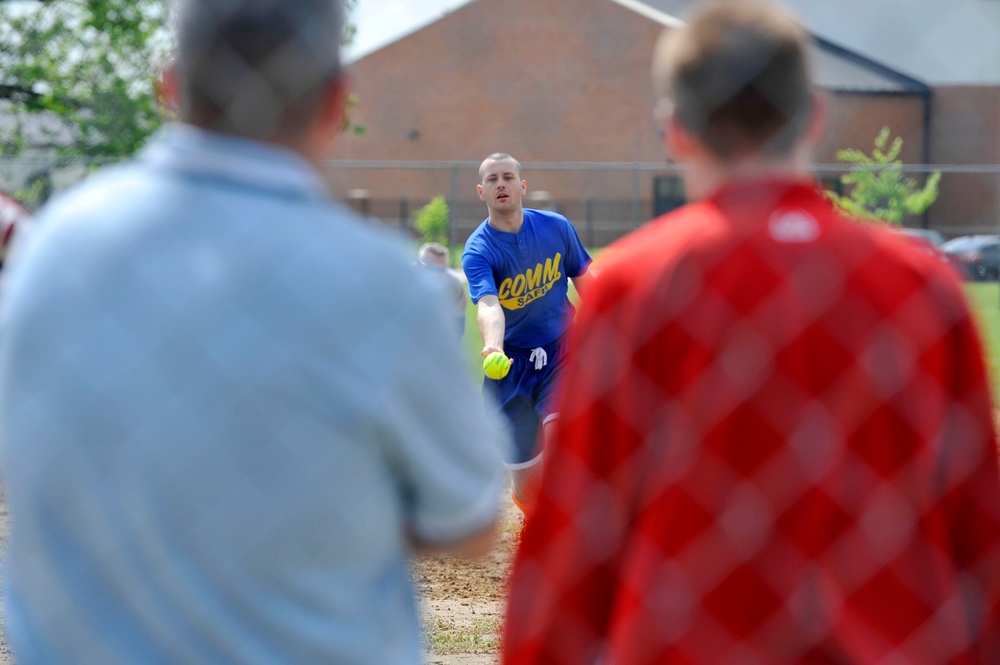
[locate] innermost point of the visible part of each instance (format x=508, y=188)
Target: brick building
x=565, y=88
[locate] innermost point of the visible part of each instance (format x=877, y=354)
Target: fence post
x=404, y=212
x=360, y=200
x=452, y=205
x=588, y=216
x=635, y=198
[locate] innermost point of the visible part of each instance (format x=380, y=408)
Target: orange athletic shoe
x=524, y=507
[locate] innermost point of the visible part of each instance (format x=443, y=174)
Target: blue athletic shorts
x=524, y=396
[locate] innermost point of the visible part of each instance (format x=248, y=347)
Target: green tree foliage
x=92, y=63
x=432, y=221
x=877, y=190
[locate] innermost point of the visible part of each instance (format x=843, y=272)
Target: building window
x=668, y=194
x=832, y=183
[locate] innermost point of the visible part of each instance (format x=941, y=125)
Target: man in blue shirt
x=230, y=410
x=518, y=263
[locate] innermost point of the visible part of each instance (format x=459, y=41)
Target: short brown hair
x=499, y=157
x=737, y=76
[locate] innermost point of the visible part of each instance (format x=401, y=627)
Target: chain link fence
x=605, y=201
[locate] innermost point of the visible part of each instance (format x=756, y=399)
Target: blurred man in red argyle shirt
x=779, y=444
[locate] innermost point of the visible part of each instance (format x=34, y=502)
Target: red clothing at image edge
x=776, y=445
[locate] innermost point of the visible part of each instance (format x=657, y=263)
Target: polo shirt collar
x=765, y=190
x=202, y=153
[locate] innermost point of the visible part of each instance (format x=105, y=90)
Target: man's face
x=502, y=188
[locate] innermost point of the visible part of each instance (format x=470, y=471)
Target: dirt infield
x=463, y=602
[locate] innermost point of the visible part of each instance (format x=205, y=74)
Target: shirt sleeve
x=967, y=508
x=446, y=447
x=479, y=272
x=577, y=258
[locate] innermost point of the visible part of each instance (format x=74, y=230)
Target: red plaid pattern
x=776, y=445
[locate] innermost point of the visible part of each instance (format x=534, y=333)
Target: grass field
x=985, y=300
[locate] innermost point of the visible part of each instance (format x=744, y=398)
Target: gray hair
x=433, y=249
x=256, y=68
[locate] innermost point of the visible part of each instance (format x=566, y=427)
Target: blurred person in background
x=779, y=443
x=230, y=410
x=435, y=257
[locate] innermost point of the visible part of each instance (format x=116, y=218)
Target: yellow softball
x=496, y=365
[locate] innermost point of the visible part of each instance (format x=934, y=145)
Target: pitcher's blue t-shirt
x=528, y=272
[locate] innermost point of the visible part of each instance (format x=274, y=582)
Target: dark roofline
x=908, y=84
x=900, y=84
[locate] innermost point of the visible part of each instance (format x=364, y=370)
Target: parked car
x=925, y=241
x=936, y=238
x=979, y=255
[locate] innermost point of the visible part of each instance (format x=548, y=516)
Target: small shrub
x=432, y=221
x=878, y=190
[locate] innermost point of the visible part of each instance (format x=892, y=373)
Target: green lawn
x=985, y=300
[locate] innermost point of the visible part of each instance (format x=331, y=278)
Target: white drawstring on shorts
x=540, y=358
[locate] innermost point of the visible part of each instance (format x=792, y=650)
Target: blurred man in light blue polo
x=230, y=411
